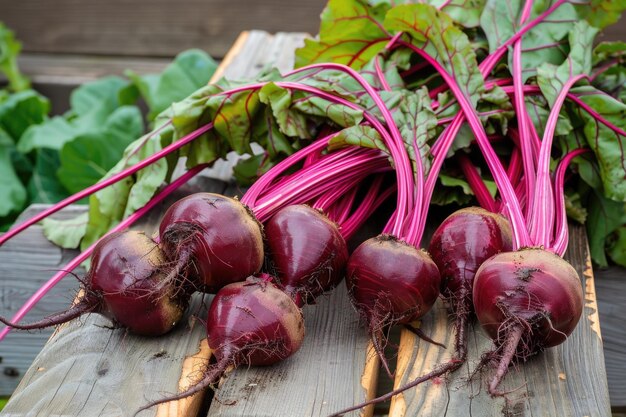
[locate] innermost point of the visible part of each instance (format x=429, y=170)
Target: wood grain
x=156, y=28
x=611, y=291
x=72, y=70
x=550, y=369
x=95, y=371
x=86, y=369
x=325, y=375
x=21, y=275
x=253, y=52
x=569, y=380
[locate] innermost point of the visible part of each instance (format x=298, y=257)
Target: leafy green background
x=354, y=31
x=45, y=158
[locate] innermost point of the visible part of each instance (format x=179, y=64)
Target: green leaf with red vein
x=609, y=147
x=233, y=116
x=552, y=79
x=600, y=13
x=248, y=170
x=435, y=33
x=267, y=134
x=417, y=123
x=297, y=112
x=465, y=12
x=390, y=68
x=609, y=73
x=360, y=135
x=609, y=51
x=605, y=218
x=291, y=122
x=538, y=110
x=545, y=42
x=351, y=33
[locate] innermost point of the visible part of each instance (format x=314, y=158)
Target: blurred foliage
x=44, y=159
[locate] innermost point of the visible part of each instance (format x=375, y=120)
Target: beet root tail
x=420, y=333
x=509, y=348
x=84, y=306
x=210, y=377
x=448, y=367
x=379, y=341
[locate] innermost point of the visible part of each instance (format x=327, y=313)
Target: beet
x=254, y=323
x=526, y=300
x=213, y=240
x=308, y=254
x=249, y=323
x=390, y=282
x=461, y=243
x=126, y=283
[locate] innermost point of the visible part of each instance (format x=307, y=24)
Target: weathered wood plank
x=77, y=69
x=611, y=290
x=21, y=275
x=352, y=362
x=109, y=374
x=159, y=28
x=327, y=373
x=569, y=380
x=102, y=369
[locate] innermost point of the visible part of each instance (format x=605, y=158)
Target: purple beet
x=308, y=254
x=250, y=323
x=526, y=300
x=466, y=239
x=127, y=284
x=390, y=282
x=212, y=240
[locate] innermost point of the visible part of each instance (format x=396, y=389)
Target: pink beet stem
x=30, y=303
x=105, y=183
x=561, y=232
x=477, y=185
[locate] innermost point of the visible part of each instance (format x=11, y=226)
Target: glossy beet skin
x=463, y=241
x=255, y=323
x=127, y=270
x=307, y=252
x=127, y=284
x=391, y=280
x=532, y=285
x=214, y=240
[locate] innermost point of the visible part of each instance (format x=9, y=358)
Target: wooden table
x=86, y=369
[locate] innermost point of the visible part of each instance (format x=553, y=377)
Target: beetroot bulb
x=526, y=300
x=390, y=282
x=126, y=283
x=212, y=240
x=250, y=323
x=463, y=241
x=306, y=250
